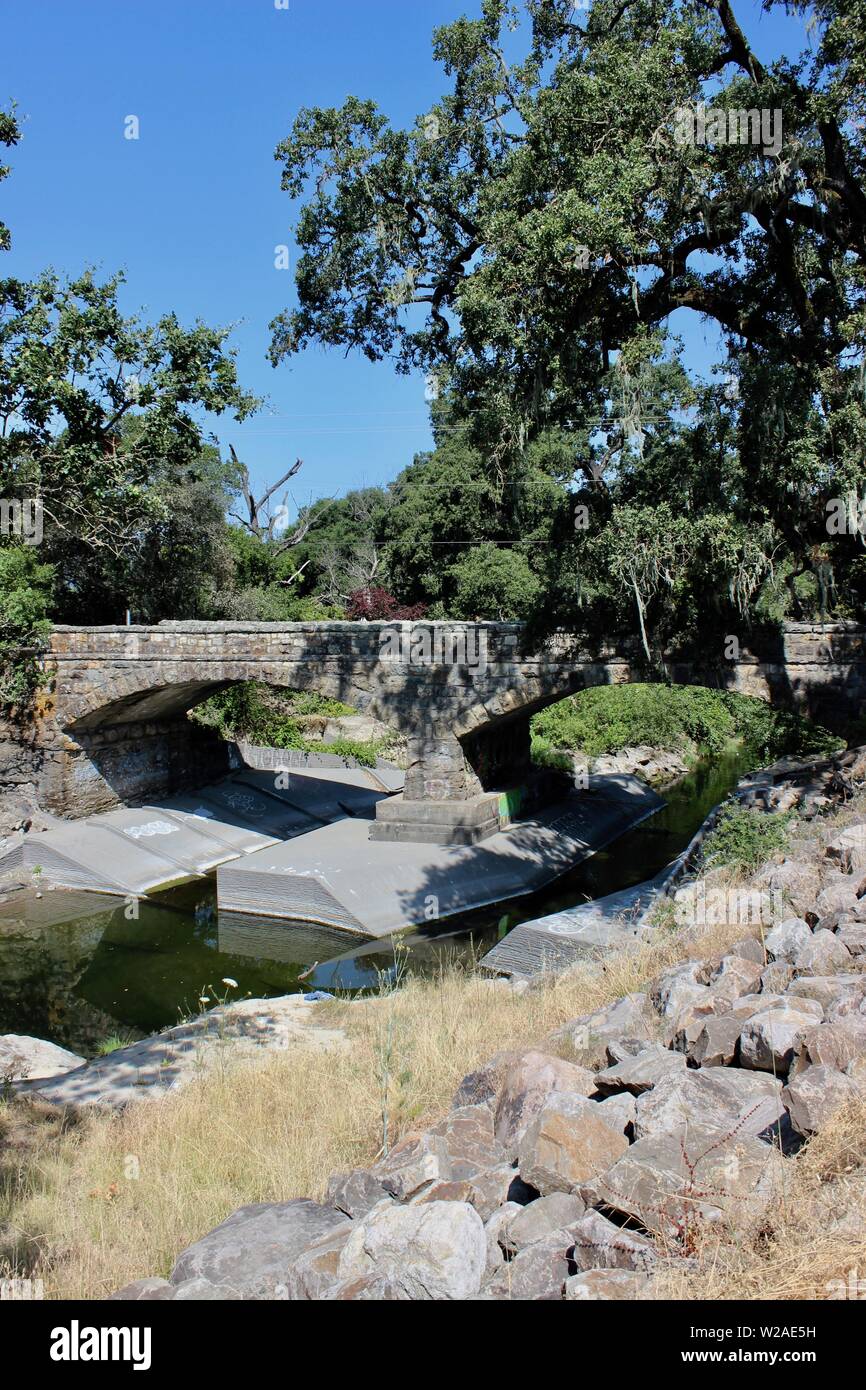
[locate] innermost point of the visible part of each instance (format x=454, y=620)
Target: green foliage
x=543, y=253
x=25, y=597
x=101, y=418
x=270, y=718
x=687, y=719
x=10, y=134
x=745, y=838
x=493, y=583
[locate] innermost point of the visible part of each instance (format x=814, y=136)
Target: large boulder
x=585, y=1040
x=838, y=894
x=815, y=1095
x=797, y=881
x=736, y=975
x=826, y=990
x=491, y=1187
x=599, y=1244
x=436, y=1250
x=538, y=1272
x=355, y=1192
x=848, y=850
x=640, y=1073
x=252, y=1250
x=833, y=1045
x=482, y=1086
x=413, y=1165
x=725, y=1100
x=786, y=941
x=527, y=1084
x=537, y=1220
x=853, y=937
x=668, y=1181
x=567, y=1143
x=23, y=1058
x=717, y=1042
x=607, y=1285
x=824, y=954
x=470, y=1143
x=671, y=991
x=768, y=1040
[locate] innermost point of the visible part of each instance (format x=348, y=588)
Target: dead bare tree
x=261, y=520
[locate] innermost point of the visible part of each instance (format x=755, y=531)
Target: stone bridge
x=115, y=727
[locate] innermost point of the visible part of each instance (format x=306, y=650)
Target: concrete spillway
x=296, y=849
x=137, y=850
x=337, y=877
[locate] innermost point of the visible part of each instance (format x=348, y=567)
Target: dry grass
x=119, y=1196
x=809, y=1241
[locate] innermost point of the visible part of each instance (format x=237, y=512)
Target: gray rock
x=491, y=1187
x=369, y=1288
x=797, y=881
x=537, y=1220
x=416, y=1163
x=495, y=1231
x=768, y=1040
x=527, y=1084
x=839, y=894
x=721, y=1099
x=607, y=1285
x=251, y=1251
x=735, y=976
x=786, y=941
x=585, y=1040
x=848, y=849
x=853, y=937
x=825, y=954
x=777, y=977
x=144, y=1291
x=203, y=1291
x=434, y=1251
x=536, y=1273
x=833, y=1045
x=316, y=1270
x=639, y=1074
x=599, y=1244
x=674, y=988
x=23, y=1058
x=619, y=1111
x=567, y=1143
x=716, y=1044
x=482, y=1087
x=669, y=1180
x=355, y=1192
x=824, y=989
x=469, y=1140
x=815, y=1095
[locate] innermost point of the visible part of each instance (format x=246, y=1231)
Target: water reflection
x=77, y=967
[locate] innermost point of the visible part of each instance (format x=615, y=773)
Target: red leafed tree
x=378, y=605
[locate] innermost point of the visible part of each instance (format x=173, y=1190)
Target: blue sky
x=192, y=210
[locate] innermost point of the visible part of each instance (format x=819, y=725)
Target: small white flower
x=203, y=999
x=232, y=984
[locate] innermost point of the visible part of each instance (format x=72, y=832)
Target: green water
x=76, y=970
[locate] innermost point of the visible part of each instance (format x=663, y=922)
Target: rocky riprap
x=578, y=1168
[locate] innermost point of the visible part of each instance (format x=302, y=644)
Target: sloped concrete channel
x=297, y=849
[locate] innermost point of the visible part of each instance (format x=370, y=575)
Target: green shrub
x=745, y=838
x=269, y=718
x=25, y=594
x=688, y=719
